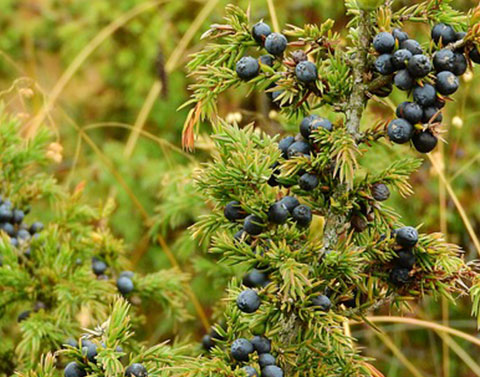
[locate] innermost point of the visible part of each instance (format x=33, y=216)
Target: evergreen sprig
x=356, y=255
x=47, y=280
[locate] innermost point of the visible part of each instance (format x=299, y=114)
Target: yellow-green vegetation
x=125, y=131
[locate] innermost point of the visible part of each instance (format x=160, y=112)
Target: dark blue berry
x=90, y=351
x=267, y=60
x=384, y=42
x=278, y=213
x=74, y=369
x=260, y=31
x=136, y=370
x=410, y=111
x=424, y=141
x=247, y=68
x=447, y=83
x=322, y=302
x=400, y=131
x=399, y=35
x=125, y=285
x=5, y=214
x=290, y=202
x=308, y=182
x=419, y=66
x=384, y=64
x=400, y=58
x=305, y=125
x=23, y=235
x=248, y=301
x=406, y=236
x=443, y=60
x=276, y=44
x=261, y=344
x=207, y=342
x=251, y=371
x=445, y=33
x=23, y=316
x=253, y=225
x=266, y=359
x=474, y=55
x=313, y=122
x=233, y=211
x=425, y=95
x=399, y=276
x=99, y=267
x=432, y=114
x=17, y=216
x=405, y=259
x=272, y=371
x=284, y=144
x=380, y=192
x=413, y=46
x=459, y=64
x=241, y=349
x=8, y=228
x=36, y=227
x=306, y=72
x=299, y=148
x=273, y=181
x=403, y=80
x=302, y=214
x=255, y=278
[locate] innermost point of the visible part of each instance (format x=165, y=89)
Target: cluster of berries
x=89, y=355
x=302, y=145
x=278, y=213
x=11, y=222
x=288, y=206
x=19, y=233
x=428, y=82
x=242, y=348
x=248, y=67
x=124, y=282
x=406, y=238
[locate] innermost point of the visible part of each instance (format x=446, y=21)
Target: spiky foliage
x=350, y=251
x=50, y=276
x=115, y=350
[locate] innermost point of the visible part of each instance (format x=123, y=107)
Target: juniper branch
x=358, y=99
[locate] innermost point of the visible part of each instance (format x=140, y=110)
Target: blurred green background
x=110, y=69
